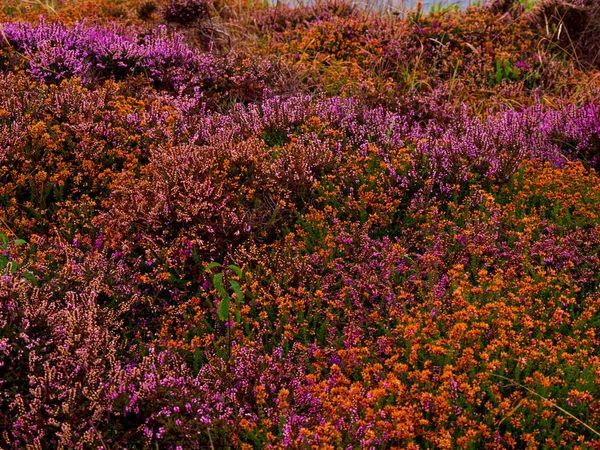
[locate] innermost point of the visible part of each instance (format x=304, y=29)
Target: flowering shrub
x=349, y=230
x=186, y=12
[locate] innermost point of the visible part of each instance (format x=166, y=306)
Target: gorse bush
x=231, y=225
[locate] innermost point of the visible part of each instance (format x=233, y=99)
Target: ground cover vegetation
x=229, y=225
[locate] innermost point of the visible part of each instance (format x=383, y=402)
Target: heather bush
x=53, y=52
x=63, y=338
x=186, y=12
x=191, y=197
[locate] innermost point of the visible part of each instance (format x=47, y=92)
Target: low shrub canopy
x=228, y=225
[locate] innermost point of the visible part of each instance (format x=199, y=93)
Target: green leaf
x=4, y=239
x=13, y=266
x=20, y=242
x=218, y=283
x=31, y=277
x=213, y=264
x=3, y=262
x=237, y=270
x=237, y=289
x=499, y=72
x=224, y=308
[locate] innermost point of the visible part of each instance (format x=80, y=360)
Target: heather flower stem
x=210, y=440
x=549, y=401
x=223, y=312
x=7, y=227
x=228, y=364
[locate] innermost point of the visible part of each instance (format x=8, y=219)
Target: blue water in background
x=395, y=5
